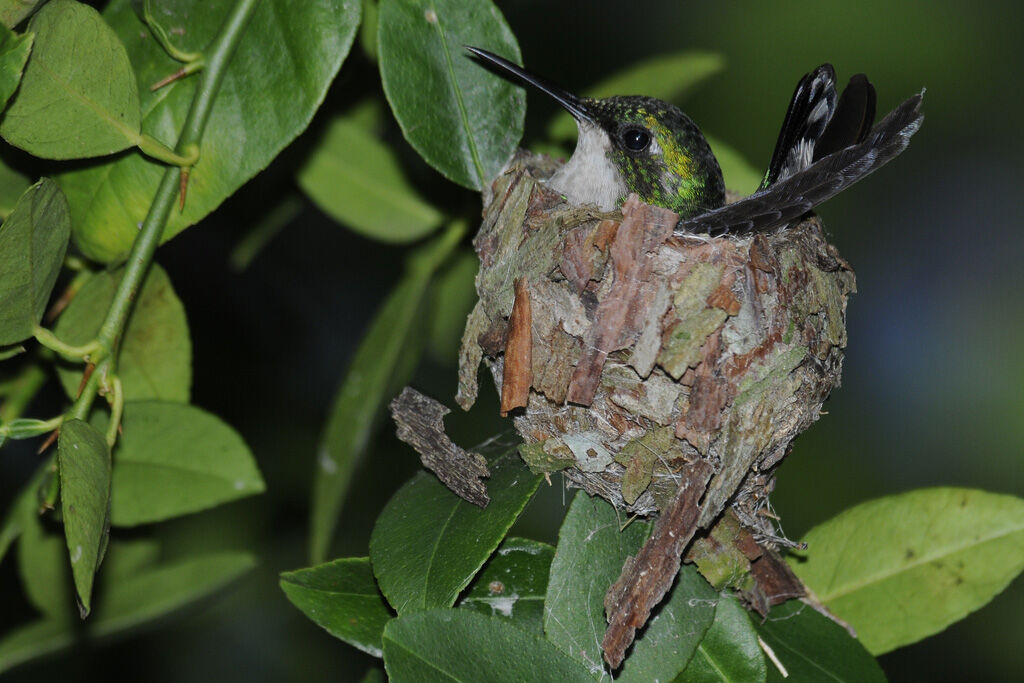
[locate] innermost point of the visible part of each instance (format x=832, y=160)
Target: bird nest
x=629, y=355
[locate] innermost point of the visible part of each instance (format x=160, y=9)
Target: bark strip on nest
x=420, y=421
x=658, y=365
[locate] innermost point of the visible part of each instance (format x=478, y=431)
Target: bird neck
x=590, y=176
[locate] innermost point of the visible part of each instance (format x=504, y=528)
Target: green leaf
x=671, y=77
x=173, y=459
x=27, y=428
x=729, y=651
x=673, y=634
x=901, y=568
x=513, y=584
x=22, y=508
x=13, y=12
x=357, y=180
x=14, y=51
x=33, y=240
x=342, y=598
x=155, y=360
x=812, y=647
x=33, y=640
x=126, y=559
x=127, y=603
x=43, y=566
x=428, y=543
x=285, y=60
x=453, y=297
x=164, y=588
x=459, y=645
x=463, y=120
x=78, y=96
x=382, y=364
x=84, y=464
x=588, y=560
x=740, y=175
x=12, y=185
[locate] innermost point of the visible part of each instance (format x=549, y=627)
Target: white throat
x=590, y=177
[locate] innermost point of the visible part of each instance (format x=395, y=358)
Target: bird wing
x=791, y=197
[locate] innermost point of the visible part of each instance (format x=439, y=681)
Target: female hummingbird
x=647, y=146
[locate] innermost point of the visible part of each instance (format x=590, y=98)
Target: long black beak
x=574, y=105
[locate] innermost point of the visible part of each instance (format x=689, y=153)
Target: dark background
x=932, y=389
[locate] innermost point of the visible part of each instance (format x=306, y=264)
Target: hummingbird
x=640, y=144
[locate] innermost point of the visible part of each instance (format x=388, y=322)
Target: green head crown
x=631, y=144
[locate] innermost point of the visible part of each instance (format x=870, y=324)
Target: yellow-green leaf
x=903, y=567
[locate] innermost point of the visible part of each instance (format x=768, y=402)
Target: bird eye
x=636, y=139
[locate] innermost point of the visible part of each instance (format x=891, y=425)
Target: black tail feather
x=852, y=120
x=809, y=112
x=791, y=197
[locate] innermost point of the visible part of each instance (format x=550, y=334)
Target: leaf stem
x=116, y=401
x=80, y=408
x=50, y=341
x=146, y=242
x=149, y=236
x=162, y=37
x=152, y=147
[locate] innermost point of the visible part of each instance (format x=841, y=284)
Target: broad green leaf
x=588, y=560
x=740, y=176
x=161, y=589
x=672, y=635
x=669, y=77
x=463, y=120
x=343, y=599
x=23, y=506
x=729, y=651
x=513, y=583
x=285, y=60
x=78, y=97
x=383, y=363
x=33, y=240
x=14, y=50
x=84, y=464
x=127, y=603
x=358, y=181
x=126, y=559
x=812, y=647
x=173, y=459
x=155, y=360
x=43, y=566
x=428, y=543
x=12, y=185
x=901, y=568
x=459, y=645
x=46, y=575
x=13, y=12
x=453, y=298
x=35, y=639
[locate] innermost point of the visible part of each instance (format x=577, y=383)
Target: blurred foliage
x=932, y=392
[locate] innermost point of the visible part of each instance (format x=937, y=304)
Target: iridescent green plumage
x=677, y=169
